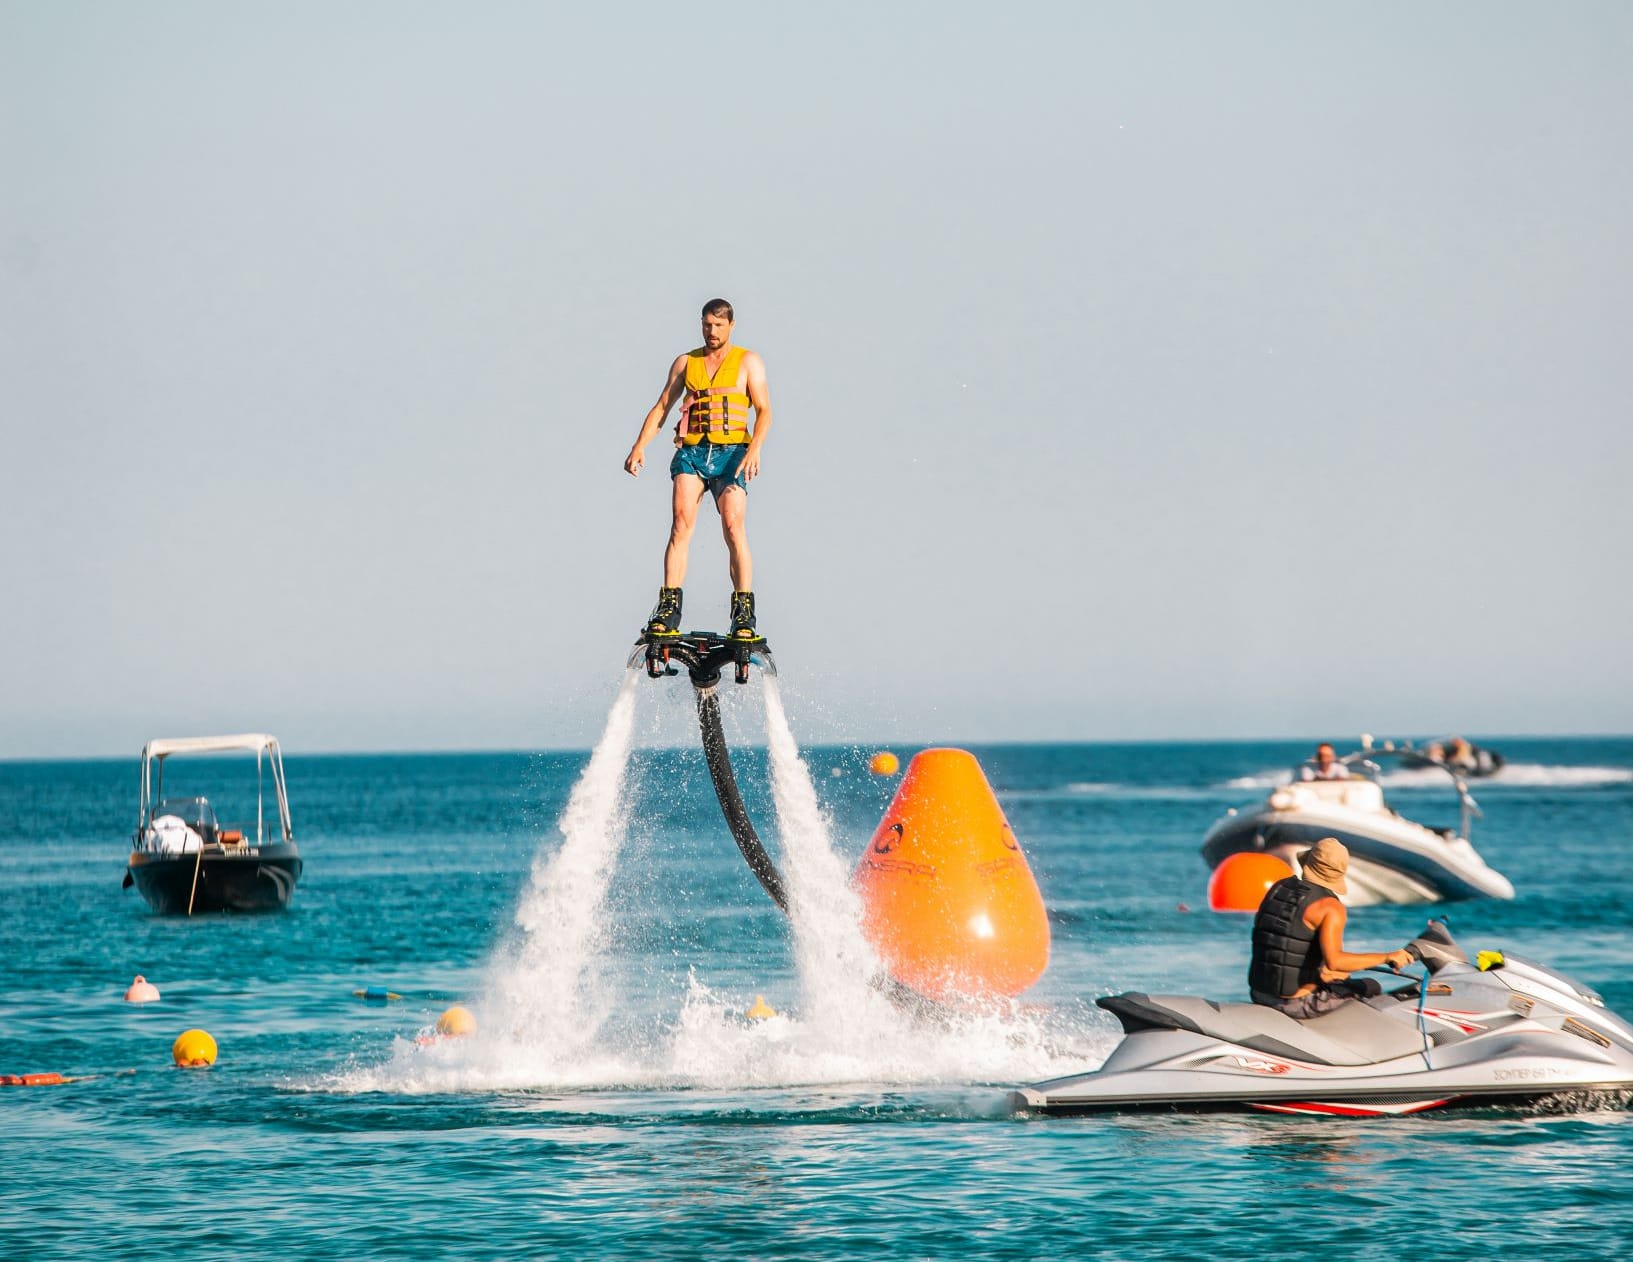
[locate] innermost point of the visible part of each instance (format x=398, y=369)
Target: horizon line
x=493, y=751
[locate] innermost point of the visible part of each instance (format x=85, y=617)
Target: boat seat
x=1356, y=793
x=1352, y=1034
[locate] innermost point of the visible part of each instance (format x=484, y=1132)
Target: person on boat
x=1300, y=964
x=1324, y=766
x=716, y=450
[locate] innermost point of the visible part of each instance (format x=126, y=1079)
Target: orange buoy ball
x=142, y=991
x=885, y=763
x=193, y=1049
x=456, y=1023
x=948, y=900
x=1241, y=881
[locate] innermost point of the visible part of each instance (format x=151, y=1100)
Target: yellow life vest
x=716, y=407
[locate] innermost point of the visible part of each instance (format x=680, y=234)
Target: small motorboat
x=1392, y=859
x=1462, y=757
x=1500, y=1031
x=183, y=860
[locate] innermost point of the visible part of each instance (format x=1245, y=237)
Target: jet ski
x=1502, y=1030
x=1392, y=859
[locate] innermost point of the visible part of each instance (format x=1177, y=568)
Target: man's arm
x=1330, y=918
x=760, y=398
x=654, y=419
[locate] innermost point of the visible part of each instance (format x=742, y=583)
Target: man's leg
x=688, y=493
x=733, y=506
x=665, y=619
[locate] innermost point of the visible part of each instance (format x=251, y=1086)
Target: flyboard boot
x=742, y=635
x=662, y=629
x=742, y=616
x=665, y=619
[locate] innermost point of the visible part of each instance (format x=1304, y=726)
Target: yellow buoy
x=456, y=1023
x=193, y=1049
x=884, y=763
x=761, y=1011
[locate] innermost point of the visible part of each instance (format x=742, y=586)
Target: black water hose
x=718, y=757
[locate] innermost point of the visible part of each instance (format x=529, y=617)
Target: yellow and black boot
x=665, y=619
x=742, y=616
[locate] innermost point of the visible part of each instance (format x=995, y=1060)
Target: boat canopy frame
x=267, y=757
x=1364, y=761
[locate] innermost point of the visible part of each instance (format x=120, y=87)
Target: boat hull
x=1508, y=1060
x=1392, y=860
x=262, y=879
x=1367, y=1100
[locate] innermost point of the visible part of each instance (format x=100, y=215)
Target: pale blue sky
x=1138, y=370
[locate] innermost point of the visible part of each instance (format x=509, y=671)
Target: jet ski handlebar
x=1435, y=948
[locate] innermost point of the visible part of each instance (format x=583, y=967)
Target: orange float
x=1240, y=882
x=884, y=763
x=948, y=900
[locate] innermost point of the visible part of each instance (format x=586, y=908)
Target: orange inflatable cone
x=948, y=900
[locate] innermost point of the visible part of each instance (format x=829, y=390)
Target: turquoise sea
x=615, y=1103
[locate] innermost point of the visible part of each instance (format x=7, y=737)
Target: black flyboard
x=704, y=654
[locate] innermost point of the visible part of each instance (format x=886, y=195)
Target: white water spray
x=543, y=986
x=848, y=1023
x=544, y=1019
x=836, y=964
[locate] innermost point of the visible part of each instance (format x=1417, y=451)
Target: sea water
x=592, y=912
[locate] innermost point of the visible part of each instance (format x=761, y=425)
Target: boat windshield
x=196, y=813
x=1354, y=767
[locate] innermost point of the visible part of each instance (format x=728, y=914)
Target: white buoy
x=142, y=991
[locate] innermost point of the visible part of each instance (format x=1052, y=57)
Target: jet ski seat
x=1352, y=1034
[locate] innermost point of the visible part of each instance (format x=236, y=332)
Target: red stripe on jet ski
x=1352, y=1110
x=1451, y=1018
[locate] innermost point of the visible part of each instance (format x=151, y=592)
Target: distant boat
x=1454, y=753
x=1392, y=858
x=183, y=860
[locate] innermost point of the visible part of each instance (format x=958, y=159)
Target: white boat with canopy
x=183, y=859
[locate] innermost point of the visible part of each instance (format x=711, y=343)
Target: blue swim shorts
x=716, y=465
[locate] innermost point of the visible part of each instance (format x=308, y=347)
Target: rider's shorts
x=1323, y=999
x=717, y=465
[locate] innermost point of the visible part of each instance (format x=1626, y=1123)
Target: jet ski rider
x=1300, y=966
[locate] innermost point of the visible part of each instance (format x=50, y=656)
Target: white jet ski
x=1504, y=1031
x=1392, y=859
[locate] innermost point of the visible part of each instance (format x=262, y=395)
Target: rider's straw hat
x=1325, y=863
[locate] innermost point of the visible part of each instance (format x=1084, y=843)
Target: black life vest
x=1286, y=954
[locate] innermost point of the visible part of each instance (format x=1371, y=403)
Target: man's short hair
x=719, y=306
